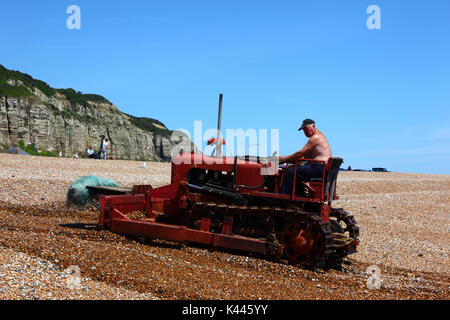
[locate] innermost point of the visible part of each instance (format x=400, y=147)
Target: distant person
x=317, y=148
x=349, y=168
x=105, y=146
x=90, y=153
x=100, y=150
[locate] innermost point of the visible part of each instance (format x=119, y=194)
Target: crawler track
x=302, y=237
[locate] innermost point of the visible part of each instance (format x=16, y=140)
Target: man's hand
x=282, y=159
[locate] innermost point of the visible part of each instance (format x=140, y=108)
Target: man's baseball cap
x=305, y=123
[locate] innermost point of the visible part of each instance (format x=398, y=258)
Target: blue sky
x=382, y=97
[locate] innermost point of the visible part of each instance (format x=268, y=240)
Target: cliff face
x=69, y=122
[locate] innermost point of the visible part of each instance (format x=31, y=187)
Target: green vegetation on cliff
x=150, y=125
x=20, y=91
x=74, y=97
x=80, y=98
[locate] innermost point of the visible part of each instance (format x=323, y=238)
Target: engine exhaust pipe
x=219, y=121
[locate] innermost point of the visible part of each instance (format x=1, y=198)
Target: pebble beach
x=404, y=222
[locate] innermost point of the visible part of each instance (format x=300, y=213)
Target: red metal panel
x=295, y=178
x=127, y=203
x=169, y=191
x=325, y=213
x=205, y=224
x=101, y=219
x=148, y=229
x=198, y=236
x=227, y=225
x=233, y=242
x=148, y=204
x=122, y=225
x=249, y=174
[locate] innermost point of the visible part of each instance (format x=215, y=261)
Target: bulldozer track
x=233, y=209
x=345, y=232
x=327, y=243
x=349, y=220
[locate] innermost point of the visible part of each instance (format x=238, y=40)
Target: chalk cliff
x=66, y=121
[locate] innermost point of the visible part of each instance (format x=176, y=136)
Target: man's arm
x=293, y=158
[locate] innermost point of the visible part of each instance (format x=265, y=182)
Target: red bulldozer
x=235, y=203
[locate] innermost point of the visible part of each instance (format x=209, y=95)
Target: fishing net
x=78, y=194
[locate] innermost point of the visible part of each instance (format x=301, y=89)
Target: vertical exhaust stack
x=219, y=137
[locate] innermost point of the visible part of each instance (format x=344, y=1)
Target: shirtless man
x=317, y=148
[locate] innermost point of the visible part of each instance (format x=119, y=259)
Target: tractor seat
x=331, y=172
